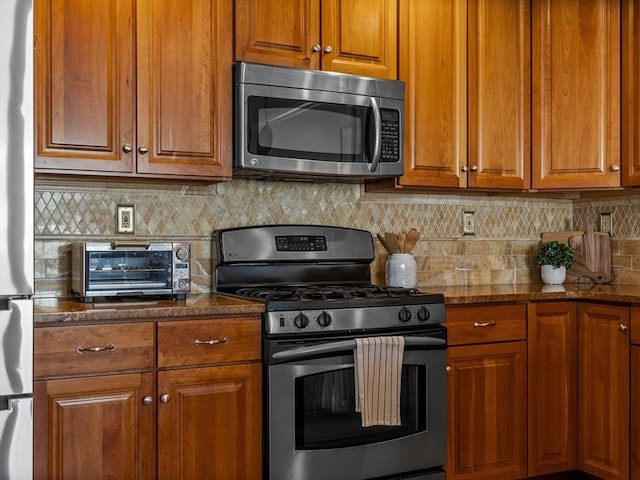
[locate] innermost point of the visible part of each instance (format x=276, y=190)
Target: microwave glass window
x=309, y=130
x=325, y=415
x=146, y=269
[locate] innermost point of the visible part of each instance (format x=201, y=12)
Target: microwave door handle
x=377, y=144
x=343, y=345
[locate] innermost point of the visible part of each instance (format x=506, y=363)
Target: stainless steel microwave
x=311, y=124
x=130, y=269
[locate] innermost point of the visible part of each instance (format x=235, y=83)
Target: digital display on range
x=301, y=243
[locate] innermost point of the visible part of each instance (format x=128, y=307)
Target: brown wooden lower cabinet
x=552, y=346
x=118, y=415
x=635, y=413
x=487, y=367
x=209, y=423
x=603, y=385
x=487, y=411
x=94, y=427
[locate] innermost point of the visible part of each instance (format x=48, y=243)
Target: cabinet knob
x=448, y=369
x=328, y=49
x=127, y=148
x=615, y=168
x=164, y=398
x=622, y=327
x=147, y=400
x=316, y=48
x=464, y=168
x=474, y=168
x=143, y=150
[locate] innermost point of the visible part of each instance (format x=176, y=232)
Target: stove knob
x=423, y=314
x=301, y=320
x=324, y=319
x=404, y=315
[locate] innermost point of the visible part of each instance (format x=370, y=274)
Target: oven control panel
x=301, y=243
x=350, y=319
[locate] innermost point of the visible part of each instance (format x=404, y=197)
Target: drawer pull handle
x=111, y=347
x=483, y=324
x=199, y=342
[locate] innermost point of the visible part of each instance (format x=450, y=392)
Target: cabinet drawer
x=494, y=323
x=635, y=325
x=208, y=341
x=82, y=349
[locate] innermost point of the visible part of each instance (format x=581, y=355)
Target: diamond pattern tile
x=502, y=250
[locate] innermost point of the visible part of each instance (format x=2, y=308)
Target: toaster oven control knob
x=404, y=315
x=324, y=319
x=423, y=314
x=301, y=320
x=182, y=254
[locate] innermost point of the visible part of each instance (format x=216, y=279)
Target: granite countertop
x=459, y=295
x=59, y=310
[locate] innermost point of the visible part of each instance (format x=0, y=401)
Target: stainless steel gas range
x=320, y=303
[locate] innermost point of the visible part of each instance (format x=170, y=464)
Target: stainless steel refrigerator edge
x=16, y=239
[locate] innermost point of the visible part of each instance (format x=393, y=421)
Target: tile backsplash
x=501, y=251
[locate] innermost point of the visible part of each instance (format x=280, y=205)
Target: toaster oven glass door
x=129, y=270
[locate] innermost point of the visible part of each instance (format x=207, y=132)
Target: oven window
x=308, y=130
x=326, y=417
x=129, y=269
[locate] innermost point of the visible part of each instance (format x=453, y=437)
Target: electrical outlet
x=468, y=223
x=125, y=219
x=606, y=223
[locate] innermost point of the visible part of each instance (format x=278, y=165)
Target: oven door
x=315, y=433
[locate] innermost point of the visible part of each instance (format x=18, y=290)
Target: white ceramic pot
x=553, y=276
x=401, y=270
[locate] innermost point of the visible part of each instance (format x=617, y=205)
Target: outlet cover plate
x=126, y=219
x=468, y=223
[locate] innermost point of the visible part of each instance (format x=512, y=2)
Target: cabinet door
x=281, y=32
x=630, y=93
x=209, y=423
x=487, y=411
x=360, y=37
x=433, y=65
x=94, y=427
x=552, y=343
x=603, y=404
x=635, y=393
x=576, y=94
x=499, y=94
x=84, y=77
x=184, y=56
x=635, y=413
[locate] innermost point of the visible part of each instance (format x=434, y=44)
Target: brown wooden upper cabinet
x=466, y=65
x=134, y=88
x=576, y=94
x=630, y=94
x=348, y=36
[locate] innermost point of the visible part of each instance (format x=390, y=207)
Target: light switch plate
x=126, y=219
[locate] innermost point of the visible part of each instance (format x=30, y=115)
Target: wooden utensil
x=392, y=242
x=412, y=238
x=401, y=237
x=383, y=243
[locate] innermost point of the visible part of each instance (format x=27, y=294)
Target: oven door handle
x=343, y=345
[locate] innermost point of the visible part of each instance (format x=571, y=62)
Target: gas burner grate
x=326, y=292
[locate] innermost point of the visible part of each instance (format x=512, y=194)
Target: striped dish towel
x=378, y=369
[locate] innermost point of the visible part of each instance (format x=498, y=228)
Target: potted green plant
x=554, y=257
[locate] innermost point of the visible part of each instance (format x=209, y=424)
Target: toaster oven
x=130, y=269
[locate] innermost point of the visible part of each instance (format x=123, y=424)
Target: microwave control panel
x=390, y=135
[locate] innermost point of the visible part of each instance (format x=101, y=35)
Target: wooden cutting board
x=592, y=251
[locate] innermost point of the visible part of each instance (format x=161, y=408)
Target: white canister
x=401, y=270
